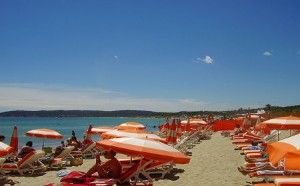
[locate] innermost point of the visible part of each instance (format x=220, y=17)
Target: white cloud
x=207, y=60
x=41, y=97
x=116, y=57
x=267, y=53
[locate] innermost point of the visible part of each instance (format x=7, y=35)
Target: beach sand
x=213, y=162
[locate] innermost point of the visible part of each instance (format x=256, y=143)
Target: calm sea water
x=65, y=126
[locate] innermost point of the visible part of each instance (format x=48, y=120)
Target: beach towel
x=270, y=172
x=76, y=177
x=63, y=173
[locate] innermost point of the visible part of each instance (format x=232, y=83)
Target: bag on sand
x=76, y=161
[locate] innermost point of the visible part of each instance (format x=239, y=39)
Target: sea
x=65, y=126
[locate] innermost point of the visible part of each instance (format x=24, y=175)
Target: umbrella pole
x=43, y=144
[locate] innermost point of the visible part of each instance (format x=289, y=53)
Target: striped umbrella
x=179, y=130
x=277, y=150
x=171, y=136
x=100, y=130
x=44, y=134
x=5, y=149
x=166, y=126
x=131, y=133
x=128, y=125
x=187, y=126
x=149, y=149
x=14, y=140
x=283, y=123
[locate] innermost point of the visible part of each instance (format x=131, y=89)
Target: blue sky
x=149, y=55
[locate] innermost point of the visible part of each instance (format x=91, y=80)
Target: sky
x=159, y=55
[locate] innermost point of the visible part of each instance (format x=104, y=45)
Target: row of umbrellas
x=152, y=149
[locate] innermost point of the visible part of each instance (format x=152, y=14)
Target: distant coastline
x=274, y=110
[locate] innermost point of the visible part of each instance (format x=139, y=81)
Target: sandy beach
x=213, y=162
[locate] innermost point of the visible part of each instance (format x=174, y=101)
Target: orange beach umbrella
x=14, y=140
x=5, y=149
x=44, y=134
x=278, y=150
x=178, y=130
x=128, y=125
x=132, y=133
x=171, y=136
x=283, y=123
x=149, y=149
x=100, y=130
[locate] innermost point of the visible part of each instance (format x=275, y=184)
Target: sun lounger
x=86, y=152
x=65, y=155
x=29, y=164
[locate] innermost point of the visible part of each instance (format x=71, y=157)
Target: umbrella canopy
x=171, y=136
x=100, y=130
x=132, y=133
x=5, y=149
x=149, y=149
x=44, y=133
x=277, y=150
x=283, y=123
x=194, y=121
x=292, y=160
x=14, y=140
x=128, y=125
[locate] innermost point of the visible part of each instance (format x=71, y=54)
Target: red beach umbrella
x=14, y=140
x=149, y=149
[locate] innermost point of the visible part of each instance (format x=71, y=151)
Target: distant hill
x=275, y=111
x=78, y=113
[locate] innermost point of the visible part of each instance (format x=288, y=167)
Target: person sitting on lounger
x=110, y=169
x=264, y=166
x=47, y=160
x=26, y=149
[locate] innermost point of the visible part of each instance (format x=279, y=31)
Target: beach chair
x=29, y=164
x=268, y=138
x=129, y=176
x=155, y=168
x=65, y=155
x=86, y=152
